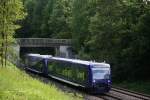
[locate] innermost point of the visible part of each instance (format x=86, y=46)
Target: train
x=93, y=76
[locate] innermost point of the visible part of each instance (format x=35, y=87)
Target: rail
x=131, y=93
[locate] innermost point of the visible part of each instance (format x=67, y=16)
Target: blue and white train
x=93, y=76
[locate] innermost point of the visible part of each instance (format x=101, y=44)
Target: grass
x=17, y=85
x=138, y=86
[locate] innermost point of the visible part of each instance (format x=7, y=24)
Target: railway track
x=117, y=93
x=109, y=96
x=131, y=94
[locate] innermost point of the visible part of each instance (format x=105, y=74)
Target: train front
x=101, y=78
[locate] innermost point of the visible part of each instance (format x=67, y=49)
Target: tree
x=81, y=13
x=113, y=30
x=55, y=21
x=10, y=12
x=26, y=24
x=48, y=18
x=119, y=31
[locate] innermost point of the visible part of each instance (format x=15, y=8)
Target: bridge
x=62, y=47
x=43, y=42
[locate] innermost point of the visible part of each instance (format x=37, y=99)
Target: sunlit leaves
x=10, y=12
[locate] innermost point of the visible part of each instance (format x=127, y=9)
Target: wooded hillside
x=117, y=31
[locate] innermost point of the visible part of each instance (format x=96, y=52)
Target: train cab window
x=101, y=73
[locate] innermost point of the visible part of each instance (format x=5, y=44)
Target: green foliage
x=80, y=22
x=10, y=12
x=116, y=37
x=48, y=18
x=116, y=31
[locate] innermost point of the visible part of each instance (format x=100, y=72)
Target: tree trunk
x=6, y=44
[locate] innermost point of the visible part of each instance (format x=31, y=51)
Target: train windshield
x=101, y=73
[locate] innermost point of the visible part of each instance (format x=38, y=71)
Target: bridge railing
x=42, y=42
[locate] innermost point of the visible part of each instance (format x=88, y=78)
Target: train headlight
x=94, y=81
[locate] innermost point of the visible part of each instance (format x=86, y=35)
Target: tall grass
x=16, y=85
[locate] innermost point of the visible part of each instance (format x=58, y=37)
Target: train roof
x=78, y=61
x=39, y=56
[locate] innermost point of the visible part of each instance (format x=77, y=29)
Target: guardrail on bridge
x=43, y=42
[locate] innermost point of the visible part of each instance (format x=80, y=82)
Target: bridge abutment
x=64, y=51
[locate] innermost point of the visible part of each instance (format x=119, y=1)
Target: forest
x=114, y=31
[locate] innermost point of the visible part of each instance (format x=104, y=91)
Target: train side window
x=50, y=66
x=27, y=61
x=82, y=72
x=40, y=64
x=70, y=71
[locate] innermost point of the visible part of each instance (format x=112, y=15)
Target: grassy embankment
x=17, y=85
x=138, y=86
